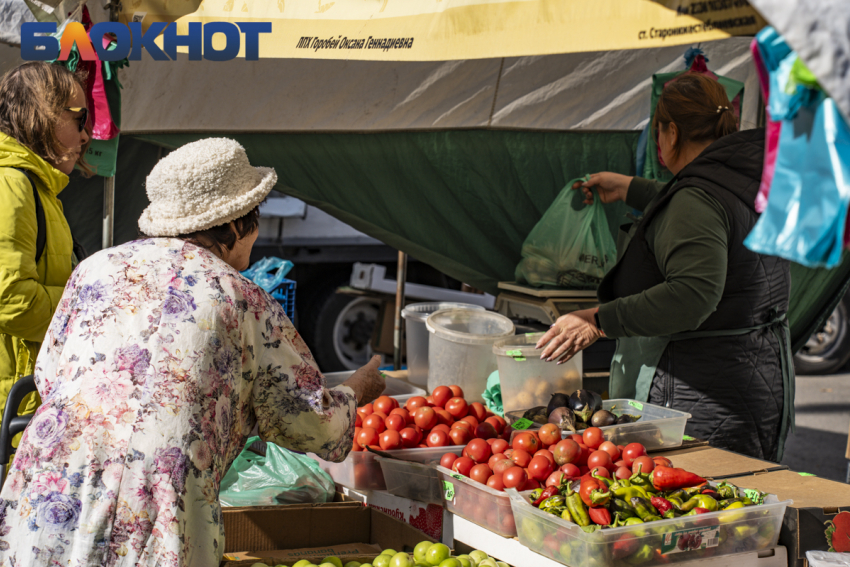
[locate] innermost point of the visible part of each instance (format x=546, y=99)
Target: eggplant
x=537, y=415
x=581, y=403
x=627, y=418
x=596, y=402
x=603, y=418
x=557, y=401
x=564, y=419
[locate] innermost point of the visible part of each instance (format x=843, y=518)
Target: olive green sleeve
x=642, y=192
x=690, y=241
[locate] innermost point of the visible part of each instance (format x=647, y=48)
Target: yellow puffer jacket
x=29, y=294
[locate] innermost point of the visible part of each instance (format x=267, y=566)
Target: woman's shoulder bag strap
x=41, y=236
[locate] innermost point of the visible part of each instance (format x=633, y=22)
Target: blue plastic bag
x=806, y=211
x=260, y=272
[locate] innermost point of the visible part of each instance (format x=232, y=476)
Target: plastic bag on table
x=571, y=247
x=279, y=477
x=260, y=272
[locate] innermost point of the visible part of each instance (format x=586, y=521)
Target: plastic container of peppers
x=657, y=428
x=660, y=542
x=478, y=503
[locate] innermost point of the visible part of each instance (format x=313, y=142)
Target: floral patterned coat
x=158, y=363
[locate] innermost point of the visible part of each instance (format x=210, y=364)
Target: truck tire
x=828, y=349
x=338, y=329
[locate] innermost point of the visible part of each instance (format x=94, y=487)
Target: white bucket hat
x=201, y=185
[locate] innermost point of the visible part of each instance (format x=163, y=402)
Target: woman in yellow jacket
x=43, y=115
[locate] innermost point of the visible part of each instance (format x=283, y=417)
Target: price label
x=448, y=490
x=523, y=423
x=636, y=405
x=516, y=352
x=687, y=438
x=690, y=540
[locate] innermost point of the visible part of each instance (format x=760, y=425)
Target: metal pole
x=401, y=276
x=108, y=211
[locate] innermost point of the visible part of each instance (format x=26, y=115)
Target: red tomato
x=390, y=440
x=570, y=470
x=480, y=473
x=410, y=437
x=623, y=473
x=425, y=418
x=367, y=436
x=601, y=471
x=632, y=452
x=582, y=457
x=496, y=483
x=356, y=434
x=447, y=460
x=471, y=420
x=566, y=451
x=531, y=484
x=495, y=458
x=546, y=453
x=358, y=421
x=479, y=450
x=662, y=461
x=438, y=438
x=611, y=449
x=521, y=457
x=478, y=411
x=408, y=419
x=430, y=400
x=506, y=434
x=497, y=422
x=376, y=422
x=555, y=478
x=457, y=407
x=577, y=438
x=527, y=442
x=643, y=464
x=499, y=445
x=444, y=417
x=508, y=452
x=583, y=470
x=460, y=436
x=593, y=437
x=441, y=395
x=395, y=422
x=415, y=402
x=380, y=414
x=540, y=468
x=463, y=465
x=368, y=409
x=464, y=425
x=514, y=477
x=441, y=427
x=485, y=431
x=501, y=466
x=599, y=459
x=620, y=463
x=550, y=434
x=383, y=404
x=457, y=392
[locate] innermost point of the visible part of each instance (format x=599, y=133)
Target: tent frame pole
x=398, y=330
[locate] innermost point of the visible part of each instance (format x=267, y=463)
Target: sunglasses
x=82, y=118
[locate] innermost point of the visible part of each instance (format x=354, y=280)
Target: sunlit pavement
x=819, y=443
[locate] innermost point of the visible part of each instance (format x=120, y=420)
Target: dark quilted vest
x=732, y=386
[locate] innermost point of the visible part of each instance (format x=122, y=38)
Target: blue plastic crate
x=285, y=295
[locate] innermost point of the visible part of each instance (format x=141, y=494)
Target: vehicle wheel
x=828, y=349
x=341, y=330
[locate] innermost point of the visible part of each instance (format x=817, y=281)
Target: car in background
x=828, y=349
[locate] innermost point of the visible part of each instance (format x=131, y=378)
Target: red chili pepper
x=593, y=493
x=548, y=492
x=625, y=546
x=702, y=510
x=661, y=504
x=600, y=516
x=668, y=478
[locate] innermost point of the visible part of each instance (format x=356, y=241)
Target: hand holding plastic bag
x=260, y=272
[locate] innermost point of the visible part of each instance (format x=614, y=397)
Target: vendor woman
x=159, y=362
x=699, y=318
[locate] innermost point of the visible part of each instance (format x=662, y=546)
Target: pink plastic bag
x=771, y=136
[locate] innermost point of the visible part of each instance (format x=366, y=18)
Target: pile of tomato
x=542, y=458
x=443, y=419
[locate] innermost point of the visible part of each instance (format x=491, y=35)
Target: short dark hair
x=222, y=237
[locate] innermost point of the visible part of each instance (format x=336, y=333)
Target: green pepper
x=678, y=494
x=644, y=480
x=621, y=507
x=577, y=510
x=531, y=529
x=643, y=555
x=728, y=501
x=676, y=502
x=645, y=510
x=632, y=521
x=747, y=502
x=744, y=531
x=694, y=490
x=552, y=501
x=727, y=490
x=620, y=483
x=701, y=501
x=535, y=494
x=737, y=517
x=630, y=492
x=566, y=552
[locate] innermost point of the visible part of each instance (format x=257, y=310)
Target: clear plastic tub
x=460, y=348
x=477, y=503
x=417, y=481
x=526, y=380
x=658, y=427
x=417, y=336
x=360, y=469
x=398, y=389
x=655, y=543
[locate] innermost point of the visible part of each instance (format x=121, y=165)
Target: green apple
x=381, y=561
x=259, y=565
x=303, y=563
x=502, y=564
x=489, y=562
x=401, y=559
x=333, y=561
x=437, y=553
x=477, y=556
x=465, y=560
x=450, y=562
x=389, y=551
x=420, y=550
x=353, y=564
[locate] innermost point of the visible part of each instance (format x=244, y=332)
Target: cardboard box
x=819, y=518
x=715, y=464
x=281, y=534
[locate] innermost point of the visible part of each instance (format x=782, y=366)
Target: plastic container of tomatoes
x=416, y=481
x=655, y=543
x=657, y=428
x=477, y=503
x=361, y=470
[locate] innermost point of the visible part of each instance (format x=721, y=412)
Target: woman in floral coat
x=159, y=362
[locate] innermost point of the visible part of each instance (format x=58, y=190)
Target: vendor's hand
x=570, y=334
x=367, y=382
x=611, y=187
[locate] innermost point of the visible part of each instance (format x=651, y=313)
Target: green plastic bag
x=279, y=477
x=493, y=394
x=571, y=247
